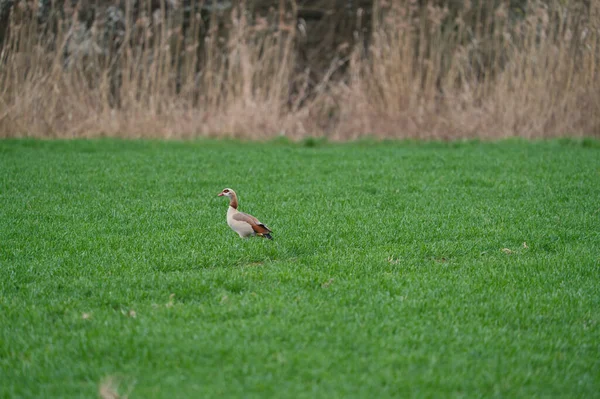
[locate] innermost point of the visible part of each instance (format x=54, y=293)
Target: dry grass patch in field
x=113, y=387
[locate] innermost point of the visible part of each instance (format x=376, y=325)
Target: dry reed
x=423, y=74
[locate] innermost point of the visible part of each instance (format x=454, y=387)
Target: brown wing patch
x=260, y=228
x=257, y=226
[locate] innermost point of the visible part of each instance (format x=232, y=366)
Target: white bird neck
x=231, y=211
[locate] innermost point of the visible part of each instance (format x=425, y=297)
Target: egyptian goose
x=242, y=223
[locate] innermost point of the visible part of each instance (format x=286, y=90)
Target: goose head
x=227, y=192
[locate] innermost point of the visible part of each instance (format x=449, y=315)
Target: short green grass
x=397, y=270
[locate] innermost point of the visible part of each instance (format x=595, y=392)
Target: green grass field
x=397, y=270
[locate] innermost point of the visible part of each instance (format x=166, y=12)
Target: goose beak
x=220, y=194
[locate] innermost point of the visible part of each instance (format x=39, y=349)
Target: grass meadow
x=466, y=269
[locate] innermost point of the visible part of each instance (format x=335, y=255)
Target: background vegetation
x=341, y=69
x=397, y=270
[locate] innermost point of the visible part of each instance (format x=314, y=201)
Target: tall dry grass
x=533, y=77
x=424, y=74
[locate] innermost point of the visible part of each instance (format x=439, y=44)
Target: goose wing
x=256, y=225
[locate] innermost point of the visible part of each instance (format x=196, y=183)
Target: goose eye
x=225, y=191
